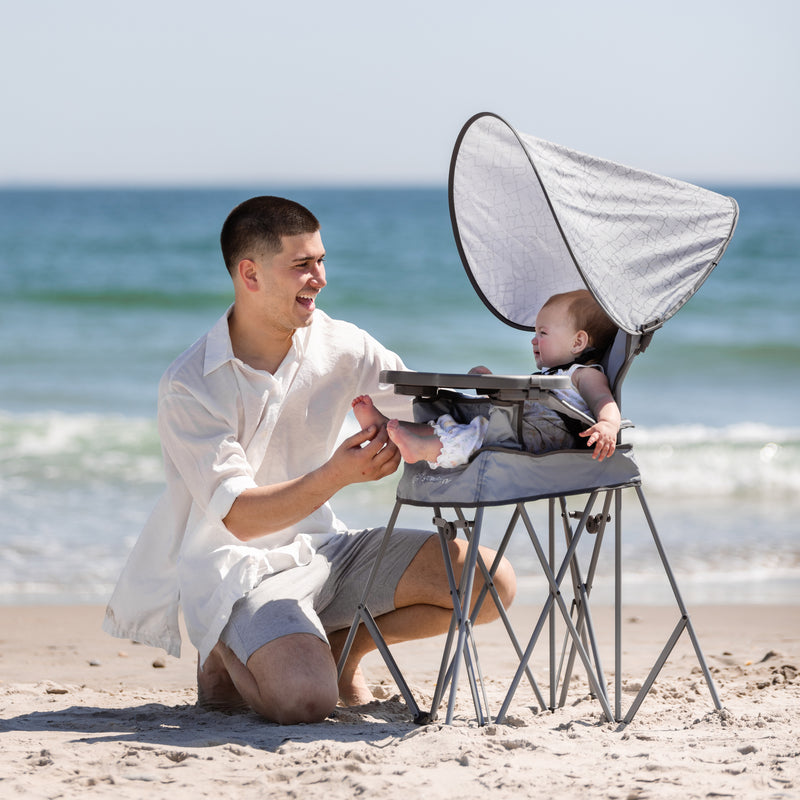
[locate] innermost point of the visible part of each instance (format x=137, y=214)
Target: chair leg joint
x=450, y=529
x=594, y=522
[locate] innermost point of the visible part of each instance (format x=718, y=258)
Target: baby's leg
x=415, y=442
x=366, y=413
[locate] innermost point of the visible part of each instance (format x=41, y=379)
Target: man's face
x=291, y=281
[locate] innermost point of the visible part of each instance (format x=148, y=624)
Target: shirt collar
x=219, y=349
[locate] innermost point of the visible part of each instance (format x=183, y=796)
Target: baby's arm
x=594, y=389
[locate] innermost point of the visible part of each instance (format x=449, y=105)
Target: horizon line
x=321, y=185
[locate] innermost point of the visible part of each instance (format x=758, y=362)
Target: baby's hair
x=587, y=315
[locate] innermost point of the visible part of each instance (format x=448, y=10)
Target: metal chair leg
x=684, y=623
x=363, y=615
x=555, y=597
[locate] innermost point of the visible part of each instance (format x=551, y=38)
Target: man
x=244, y=538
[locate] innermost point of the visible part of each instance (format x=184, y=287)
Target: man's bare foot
x=215, y=689
x=366, y=413
x=412, y=446
x=353, y=689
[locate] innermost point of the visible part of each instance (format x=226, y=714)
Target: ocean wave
x=77, y=489
x=752, y=458
x=56, y=447
x=128, y=299
x=749, y=458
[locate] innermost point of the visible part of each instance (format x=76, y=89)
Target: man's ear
x=248, y=273
x=580, y=342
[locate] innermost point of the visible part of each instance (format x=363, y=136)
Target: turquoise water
x=100, y=290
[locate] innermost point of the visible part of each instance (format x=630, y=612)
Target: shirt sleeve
x=204, y=450
x=378, y=358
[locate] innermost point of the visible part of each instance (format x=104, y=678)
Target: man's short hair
x=256, y=227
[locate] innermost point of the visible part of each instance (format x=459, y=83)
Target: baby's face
x=555, y=340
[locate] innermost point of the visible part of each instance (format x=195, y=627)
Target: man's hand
x=365, y=456
x=368, y=455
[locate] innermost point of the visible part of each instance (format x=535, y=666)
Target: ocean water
x=101, y=289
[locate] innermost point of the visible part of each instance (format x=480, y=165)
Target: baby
x=571, y=328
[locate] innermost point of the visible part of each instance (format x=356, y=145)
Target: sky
x=351, y=92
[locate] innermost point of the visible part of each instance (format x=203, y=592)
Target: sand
x=85, y=715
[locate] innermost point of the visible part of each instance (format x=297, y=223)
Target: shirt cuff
x=226, y=493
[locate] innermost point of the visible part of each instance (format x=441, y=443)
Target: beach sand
x=85, y=715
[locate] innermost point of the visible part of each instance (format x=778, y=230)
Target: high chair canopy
x=532, y=219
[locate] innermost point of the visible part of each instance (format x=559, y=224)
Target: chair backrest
x=618, y=359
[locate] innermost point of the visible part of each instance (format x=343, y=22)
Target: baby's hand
x=603, y=435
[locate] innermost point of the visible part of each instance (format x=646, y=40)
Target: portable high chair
x=532, y=219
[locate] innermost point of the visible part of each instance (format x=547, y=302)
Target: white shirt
x=224, y=428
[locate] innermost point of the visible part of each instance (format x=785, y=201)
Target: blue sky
x=181, y=92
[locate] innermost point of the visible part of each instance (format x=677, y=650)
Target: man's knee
x=295, y=678
x=426, y=582
x=505, y=581
x=504, y=578
x=299, y=701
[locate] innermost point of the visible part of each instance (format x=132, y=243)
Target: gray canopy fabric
x=532, y=219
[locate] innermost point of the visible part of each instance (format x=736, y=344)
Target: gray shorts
x=323, y=595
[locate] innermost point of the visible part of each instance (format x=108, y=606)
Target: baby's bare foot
x=366, y=413
x=413, y=447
